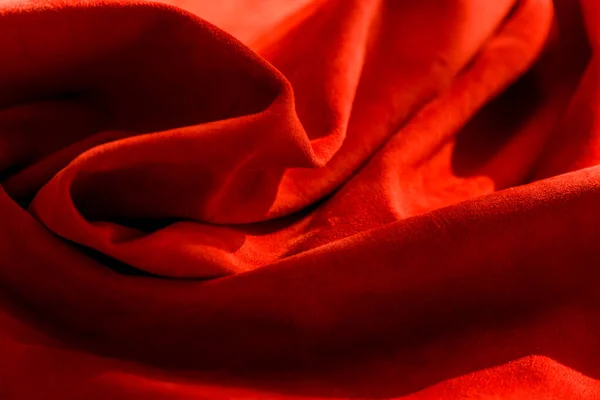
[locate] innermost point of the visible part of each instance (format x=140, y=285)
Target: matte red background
x=307, y=199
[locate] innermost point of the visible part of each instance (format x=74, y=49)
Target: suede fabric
x=277, y=199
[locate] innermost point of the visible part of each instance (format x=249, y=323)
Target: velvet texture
x=299, y=199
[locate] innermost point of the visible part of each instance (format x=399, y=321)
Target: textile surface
x=280, y=199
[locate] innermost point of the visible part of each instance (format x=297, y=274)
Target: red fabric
x=334, y=199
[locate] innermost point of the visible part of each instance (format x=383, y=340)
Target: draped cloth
x=294, y=199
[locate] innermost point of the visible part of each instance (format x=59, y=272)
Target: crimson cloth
x=299, y=199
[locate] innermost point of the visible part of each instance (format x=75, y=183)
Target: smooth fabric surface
x=300, y=199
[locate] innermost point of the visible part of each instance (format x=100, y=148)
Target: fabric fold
x=325, y=199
